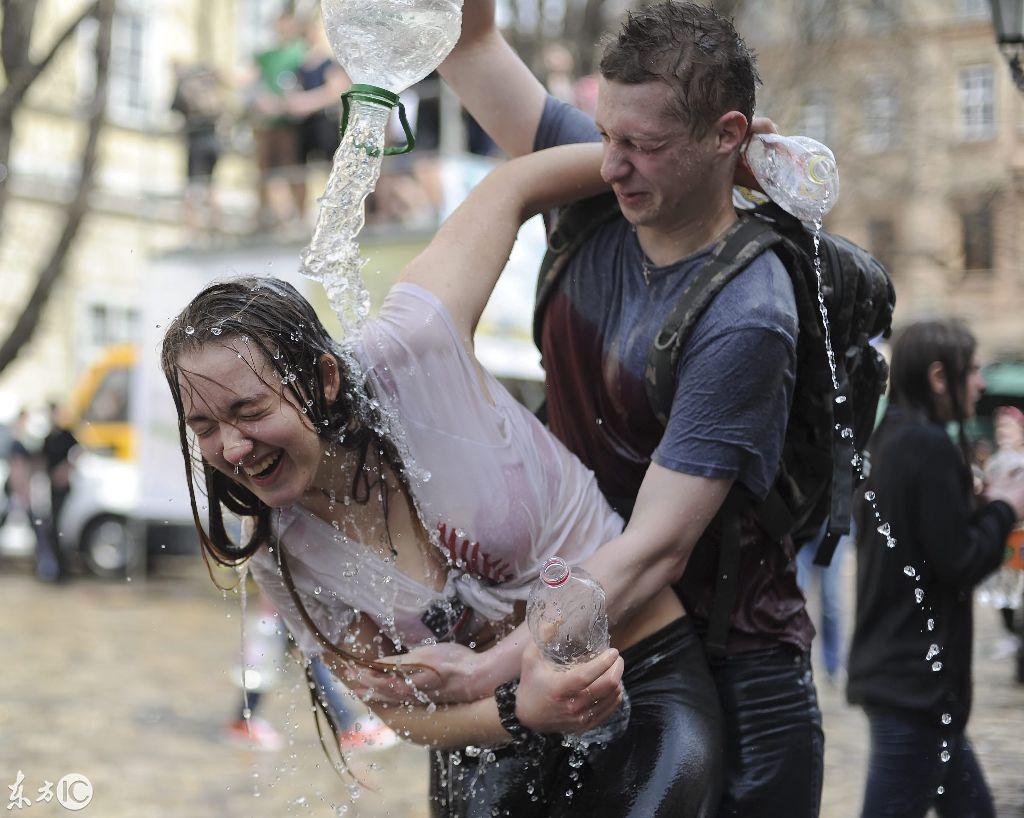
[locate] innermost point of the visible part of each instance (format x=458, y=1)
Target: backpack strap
x=575, y=224
x=740, y=245
x=727, y=579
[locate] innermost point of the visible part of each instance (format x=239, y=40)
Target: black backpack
x=827, y=427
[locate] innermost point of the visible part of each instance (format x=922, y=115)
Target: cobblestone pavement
x=131, y=683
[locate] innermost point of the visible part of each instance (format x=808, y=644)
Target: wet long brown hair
x=277, y=324
x=915, y=348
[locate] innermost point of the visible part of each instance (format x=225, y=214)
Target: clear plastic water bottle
x=798, y=173
x=568, y=619
x=391, y=43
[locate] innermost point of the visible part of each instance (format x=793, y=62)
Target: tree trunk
x=15, y=35
x=53, y=269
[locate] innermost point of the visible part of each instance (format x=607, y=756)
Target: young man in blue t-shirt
x=675, y=103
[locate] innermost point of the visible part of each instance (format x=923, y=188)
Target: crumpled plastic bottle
x=798, y=173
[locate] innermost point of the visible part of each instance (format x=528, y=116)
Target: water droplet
x=840, y=398
x=909, y=570
x=941, y=790
x=190, y=330
x=318, y=590
x=216, y=330
x=933, y=651
x=947, y=718
x=919, y=595
x=846, y=434
x=471, y=751
x=936, y=667
x=884, y=529
x=944, y=755
x=869, y=496
x=931, y=624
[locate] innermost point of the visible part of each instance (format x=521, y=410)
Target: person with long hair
x=395, y=495
x=923, y=543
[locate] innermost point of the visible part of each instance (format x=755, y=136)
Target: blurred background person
x=918, y=591
x=829, y=580
x=56, y=451
x=200, y=98
x=1005, y=589
x=282, y=184
x=316, y=99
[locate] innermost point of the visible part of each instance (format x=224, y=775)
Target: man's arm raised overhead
x=494, y=84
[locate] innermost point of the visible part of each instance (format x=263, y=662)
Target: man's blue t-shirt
x=734, y=387
x=746, y=337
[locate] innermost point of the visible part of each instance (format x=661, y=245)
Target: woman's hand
x=553, y=699
x=451, y=674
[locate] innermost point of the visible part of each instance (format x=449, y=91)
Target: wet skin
x=650, y=159
x=242, y=417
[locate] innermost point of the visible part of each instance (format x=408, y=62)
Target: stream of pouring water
x=857, y=462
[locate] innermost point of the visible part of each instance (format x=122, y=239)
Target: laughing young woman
x=414, y=502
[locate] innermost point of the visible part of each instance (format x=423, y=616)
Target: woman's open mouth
x=264, y=469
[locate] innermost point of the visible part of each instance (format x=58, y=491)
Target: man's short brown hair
x=695, y=51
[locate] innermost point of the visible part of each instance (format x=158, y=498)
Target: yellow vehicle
x=98, y=410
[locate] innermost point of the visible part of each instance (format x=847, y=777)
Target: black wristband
x=523, y=738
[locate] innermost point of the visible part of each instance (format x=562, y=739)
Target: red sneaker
x=258, y=734
x=368, y=734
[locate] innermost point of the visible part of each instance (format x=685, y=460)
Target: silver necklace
x=645, y=263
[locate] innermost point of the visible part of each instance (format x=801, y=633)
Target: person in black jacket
x=910, y=659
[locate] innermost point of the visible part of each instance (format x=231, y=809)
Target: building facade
x=928, y=129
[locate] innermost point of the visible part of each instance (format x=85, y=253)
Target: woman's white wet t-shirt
x=502, y=496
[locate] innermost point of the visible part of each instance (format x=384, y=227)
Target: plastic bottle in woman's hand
x=568, y=619
x=798, y=173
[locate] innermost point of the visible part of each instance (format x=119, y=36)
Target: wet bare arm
x=462, y=263
x=493, y=82
x=672, y=511
x=550, y=700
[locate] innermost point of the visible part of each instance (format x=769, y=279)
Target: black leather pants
x=774, y=741
x=669, y=762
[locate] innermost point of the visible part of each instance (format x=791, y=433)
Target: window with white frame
x=977, y=225
x=814, y=117
x=129, y=94
x=976, y=99
x=880, y=117
x=109, y=324
x=136, y=60
x=973, y=9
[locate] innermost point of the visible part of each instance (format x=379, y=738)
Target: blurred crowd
x=36, y=472
x=285, y=109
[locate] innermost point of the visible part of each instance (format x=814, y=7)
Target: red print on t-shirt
x=469, y=555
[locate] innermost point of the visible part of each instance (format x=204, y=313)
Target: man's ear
x=731, y=130
x=330, y=376
x=937, y=378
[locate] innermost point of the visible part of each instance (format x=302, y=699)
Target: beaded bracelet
x=524, y=740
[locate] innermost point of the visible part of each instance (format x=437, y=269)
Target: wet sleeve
x=961, y=547
x=562, y=124
x=422, y=370
x=731, y=406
